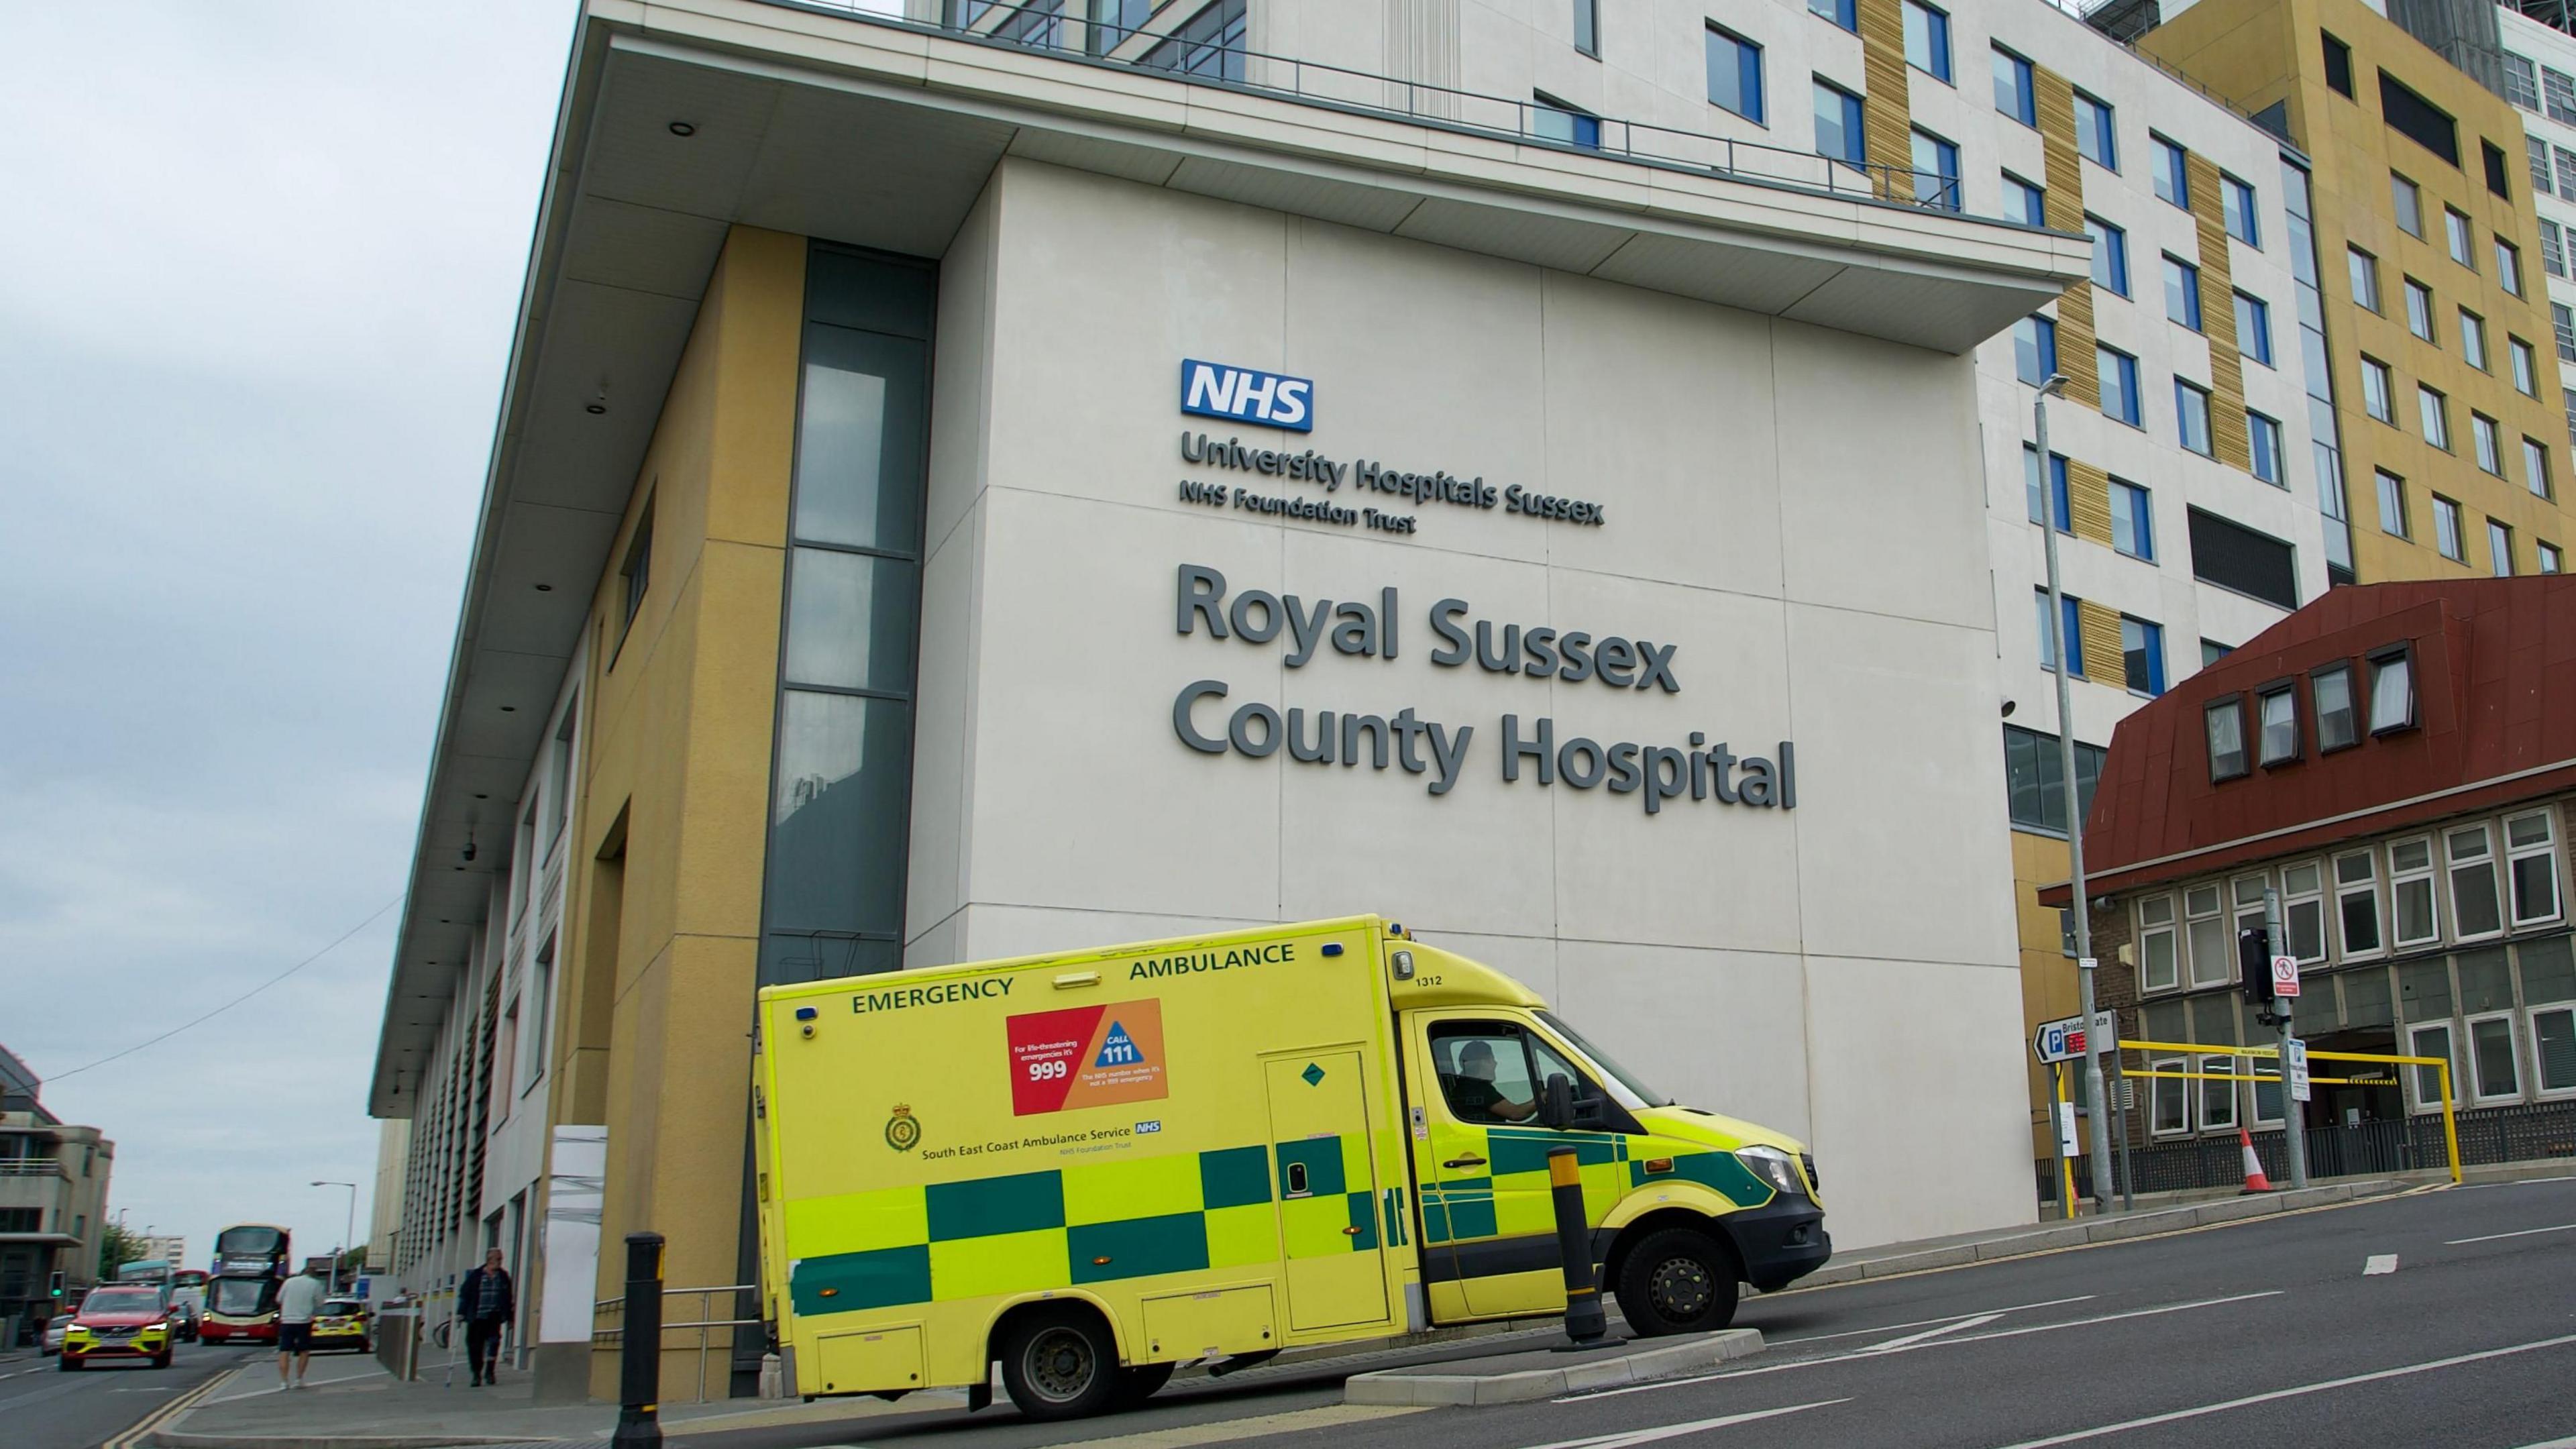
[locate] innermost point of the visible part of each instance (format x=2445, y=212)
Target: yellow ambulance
x=1095, y=1166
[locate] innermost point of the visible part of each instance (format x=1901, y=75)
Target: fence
x=608, y=1329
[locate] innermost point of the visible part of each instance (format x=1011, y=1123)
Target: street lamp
x=2053, y=387
x=345, y=1237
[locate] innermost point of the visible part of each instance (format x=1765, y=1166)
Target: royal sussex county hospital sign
x=1685, y=770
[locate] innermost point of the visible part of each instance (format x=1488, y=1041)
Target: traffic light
x=2254, y=965
x=54, y=1285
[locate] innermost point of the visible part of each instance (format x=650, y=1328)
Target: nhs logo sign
x=1273, y=400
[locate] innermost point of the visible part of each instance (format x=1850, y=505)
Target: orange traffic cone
x=2255, y=1181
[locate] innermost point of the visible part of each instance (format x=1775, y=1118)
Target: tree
x=116, y=1248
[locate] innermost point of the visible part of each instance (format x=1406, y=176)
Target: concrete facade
x=53, y=1199
x=2541, y=64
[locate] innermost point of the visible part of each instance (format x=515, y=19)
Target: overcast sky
x=256, y=283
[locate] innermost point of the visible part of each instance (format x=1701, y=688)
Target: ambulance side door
x=1468, y=1077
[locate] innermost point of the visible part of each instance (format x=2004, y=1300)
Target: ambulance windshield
x=1637, y=1093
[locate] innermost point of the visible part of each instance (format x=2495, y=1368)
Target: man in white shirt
x=298, y=1299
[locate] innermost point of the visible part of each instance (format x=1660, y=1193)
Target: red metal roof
x=2495, y=687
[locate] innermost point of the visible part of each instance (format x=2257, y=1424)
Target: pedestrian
x=298, y=1299
x=484, y=1298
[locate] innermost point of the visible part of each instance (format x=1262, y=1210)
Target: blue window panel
x=2110, y=255
x=2072, y=633
x=1735, y=74
x=2191, y=417
x=2133, y=525
x=1845, y=13
x=2244, y=222
x=1936, y=172
x=2182, y=293
x=2024, y=202
x=1927, y=39
x=2119, y=374
x=2254, y=328
x=2096, y=132
x=2142, y=655
x=2034, y=349
x=2265, y=436
x=1554, y=120
x=2015, y=95
x=2056, y=486
x=1587, y=27
x=1838, y=126
x=2173, y=176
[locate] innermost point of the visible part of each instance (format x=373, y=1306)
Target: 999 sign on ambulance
x=1095, y=1166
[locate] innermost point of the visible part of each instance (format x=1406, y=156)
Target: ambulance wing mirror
x=1556, y=1104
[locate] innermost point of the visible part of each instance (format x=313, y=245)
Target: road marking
x=2554, y=1443
x=2378, y=1263
x=1929, y=1343
x=1920, y=1322
x=1626, y=1438
x=1911, y=1339
x=2277, y=1394
x=2525, y=1233
x=1179, y=1437
x=142, y=1431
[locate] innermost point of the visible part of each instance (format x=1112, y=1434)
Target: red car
x=123, y=1320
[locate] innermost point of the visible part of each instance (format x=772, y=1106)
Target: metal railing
x=31, y=1167
x=1233, y=66
x=705, y=1322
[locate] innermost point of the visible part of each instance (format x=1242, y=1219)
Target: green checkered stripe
x=1466, y=1208
x=1096, y=1223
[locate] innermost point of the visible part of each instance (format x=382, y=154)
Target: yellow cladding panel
x=1886, y=113
x=1000, y=1263
x=1109, y=1191
x=2227, y=425
x=2048, y=988
x=860, y=1221
x=2062, y=178
x=2088, y=503
x=2104, y=659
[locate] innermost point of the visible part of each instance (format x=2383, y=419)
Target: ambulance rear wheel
x=1679, y=1280
x=1136, y=1385
x=1061, y=1364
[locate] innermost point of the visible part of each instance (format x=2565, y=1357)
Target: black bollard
x=1584, y=1322
x=639, y=1347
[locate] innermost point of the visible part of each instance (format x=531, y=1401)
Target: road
x=2274, y=1332
x=43, y=1408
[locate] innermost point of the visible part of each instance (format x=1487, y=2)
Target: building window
x=2434, y=411
x=559, y=779
x=2446, y=529
x=2430, y=1040
x=2550, y=558
x=2462, y=241
x=2531, y=847
x=1113, y=22
x=2526, y=368
x=2073, y=632
x=2142, y=656
x=2232, y=556
x=2338, y=64
x=2118, y=372
x=1936, y=172
x=2499, y=550
x=2264, y=437
x=1927, y=40
x=2521, y=81
x=2473, y=339
x=2553, y=249
x=2278, y=708
x=2392, y=505
x=1555, y=120
x=1735, y=74
x=2553, y=1050
x=2213, y=951
x=2509, y=266
x=2169, y=1103
x=2303, y=909
x=2159, y=960
x=1036, y=22
x=2492, y=1053
x=2244, y=222
x=636, y=573
x=2254, y=328
x=2225, y=721
x=2338, y=725
x=2024, y=202
x=2057, y=485
x=1211, y=44
x=2015, y=95
x=2392, y=690
x=1587, y=28
x=2409, y=202
x=2035, y=349
x=2217, y=1094
x=2566, y=162
x=2489, y=443
x=1845, y=13
x=2211, y=651
x=2182, y=292
x=2363, y=268
x=2535, y=153
x=2410, y=886
x=2191, y=416
x=2535, y=469
x=2357, y=903
x=2096, y=133
x=1838, y=128
x=2562, y=325
x=2173, y=174
x=2419, y=311
x=2133, y=528
x=2558, y=94
x=2499, y=179
x=2035, y=778
x=2110, y=254
x=2417, y=119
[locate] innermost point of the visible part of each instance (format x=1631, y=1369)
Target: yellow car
x=341, y=1323
x=119, y=1321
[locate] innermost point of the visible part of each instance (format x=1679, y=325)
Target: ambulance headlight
x=1774, y=1167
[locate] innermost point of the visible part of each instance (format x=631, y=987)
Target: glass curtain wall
x=841, y=792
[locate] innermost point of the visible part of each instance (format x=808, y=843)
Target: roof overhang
x=881, y=133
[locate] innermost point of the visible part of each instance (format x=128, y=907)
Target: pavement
x=2024, y=1280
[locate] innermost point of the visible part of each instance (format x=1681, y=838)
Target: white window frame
x=2416, y=1100
x=2156, y=1087
x=2452, y=866
x=2201, y=1121
x=2541, y=1091
x=2171, y=929
x=2227, y=939
x=2478, y=1095
x=2398, y=879
x=2344, y=890
x=2264, y=1067
x=2547, y=849
x=2291, y=900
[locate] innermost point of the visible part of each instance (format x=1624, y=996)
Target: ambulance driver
x=1473, y=1094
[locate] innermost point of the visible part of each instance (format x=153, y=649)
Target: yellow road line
x=135, y=1437
x=1223, y=1431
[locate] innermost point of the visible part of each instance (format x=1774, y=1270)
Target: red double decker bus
x=241, y=1297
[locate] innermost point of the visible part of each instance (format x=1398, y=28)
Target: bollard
x=639, y=1347
x=1584, y=1322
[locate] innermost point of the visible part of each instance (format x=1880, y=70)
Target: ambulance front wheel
x=1679, y=1280
x=1061, y=1363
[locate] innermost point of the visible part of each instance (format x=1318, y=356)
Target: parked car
x=120, y=1320
x=53, y=1336
x=341, y=1323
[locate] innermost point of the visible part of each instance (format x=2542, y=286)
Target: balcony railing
x=31, y=1167
x=1056, y=28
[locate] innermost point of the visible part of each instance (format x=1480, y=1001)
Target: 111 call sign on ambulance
x=1692, y=768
